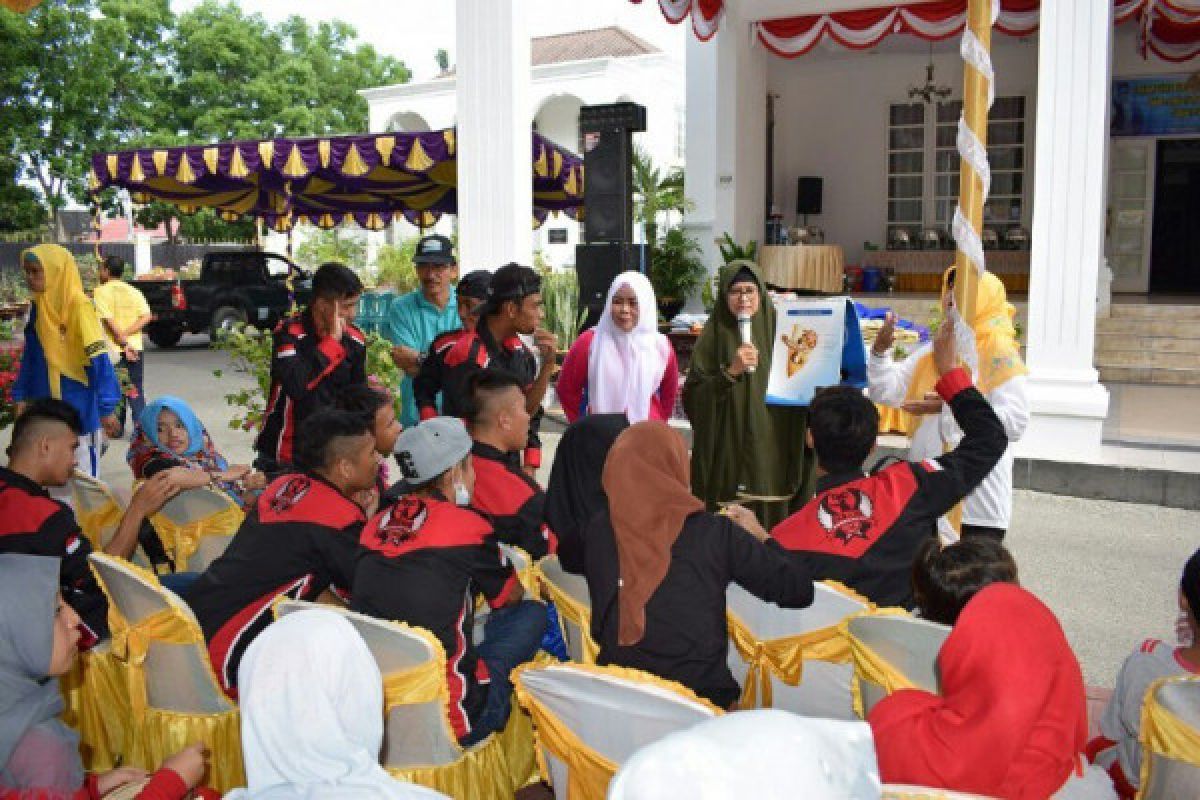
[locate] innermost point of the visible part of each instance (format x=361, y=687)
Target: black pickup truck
x=234, y=287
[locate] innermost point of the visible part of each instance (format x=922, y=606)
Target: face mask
x=461, y=496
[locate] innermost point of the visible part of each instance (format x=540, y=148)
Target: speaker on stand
x=808, y=196
x=608, y=201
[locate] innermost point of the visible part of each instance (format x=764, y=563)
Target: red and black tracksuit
x=33, y=523
x=425, y=560
x=299, y=539
x=511, y=500
x=307, y=372
x=457, y=355
x=864, y=531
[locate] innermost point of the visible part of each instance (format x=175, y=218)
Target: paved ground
x=1109, y=570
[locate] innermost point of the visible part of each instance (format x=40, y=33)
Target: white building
x=569, y=70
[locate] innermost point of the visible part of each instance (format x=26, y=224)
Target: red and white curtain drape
x=1168, y=28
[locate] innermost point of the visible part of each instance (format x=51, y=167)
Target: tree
x=332, y=245
x=443, y=61
x=79, y=76
x=654, y=194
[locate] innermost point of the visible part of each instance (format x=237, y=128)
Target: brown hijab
x=647, y=480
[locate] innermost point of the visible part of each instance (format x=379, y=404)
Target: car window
x=277, y=268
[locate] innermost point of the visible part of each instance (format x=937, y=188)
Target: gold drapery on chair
x=1165, y=735
x=868, y=665
x=96, y=704
x=569, y=610
x=181, y=541
x=784, y=658
x=154, y=733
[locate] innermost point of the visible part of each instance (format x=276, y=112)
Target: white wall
x=831, y=120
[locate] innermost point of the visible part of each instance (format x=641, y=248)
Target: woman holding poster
x=991, y=351
x=743, y=450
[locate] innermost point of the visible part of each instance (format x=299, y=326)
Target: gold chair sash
x=181, y=541
x=1164, y=734
x=588, y=772
x=785, y=657
x=94, y=522
x=869, y=665
x=571, y=610
x=131, y=642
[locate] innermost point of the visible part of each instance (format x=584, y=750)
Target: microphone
x=744, y=328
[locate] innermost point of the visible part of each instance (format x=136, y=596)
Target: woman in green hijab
x=744, y=451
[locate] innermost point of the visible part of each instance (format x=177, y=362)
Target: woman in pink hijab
x=623, y=365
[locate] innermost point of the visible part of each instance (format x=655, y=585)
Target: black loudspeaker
x=596, y=265
x=608, y=169
x=808, y=195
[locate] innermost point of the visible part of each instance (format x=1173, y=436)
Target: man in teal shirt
x=414, y=320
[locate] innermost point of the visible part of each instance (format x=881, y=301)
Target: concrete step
x=1162, y=376
x=1147, y=358
x=1154, y=311
x=1160, y=328
x=1123, y=342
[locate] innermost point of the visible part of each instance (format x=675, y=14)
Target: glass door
x=1127, y=246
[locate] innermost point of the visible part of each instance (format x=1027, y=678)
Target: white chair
x=609, y=712
x=157, y=637
x=196, y=526
x=824, y=686
x=521, y=562
x=906, y=644
x=97, y=508
x=569, y=593
x=896, y=791
x=414, y=735
x=1170, y=726
x=418, y=742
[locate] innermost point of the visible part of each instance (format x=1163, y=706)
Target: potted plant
x=564, y=317
x=676, y=271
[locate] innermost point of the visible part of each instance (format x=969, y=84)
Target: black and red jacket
x=300, y=538
x=864, y=531
x=457, y=355
x=424, y=561
x=511, y=500
x=307, y=372
x=33, y=523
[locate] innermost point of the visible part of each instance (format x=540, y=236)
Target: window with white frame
x=923, y=166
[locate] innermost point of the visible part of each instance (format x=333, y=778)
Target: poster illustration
x=817, y=343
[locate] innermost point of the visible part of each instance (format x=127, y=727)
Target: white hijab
x=311, y=699
x=626, y=369
x=768, y=755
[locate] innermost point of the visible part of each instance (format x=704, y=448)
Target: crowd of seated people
x=328, y=522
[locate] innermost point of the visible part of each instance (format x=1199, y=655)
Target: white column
x=143, y=259
x=495, y=171
x=726, y=136
x=1067, y=400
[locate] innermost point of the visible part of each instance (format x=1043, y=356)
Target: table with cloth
x=817, y=268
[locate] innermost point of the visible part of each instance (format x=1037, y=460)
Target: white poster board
x=807, y=349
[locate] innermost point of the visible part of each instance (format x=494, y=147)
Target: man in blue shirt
x=417, y=318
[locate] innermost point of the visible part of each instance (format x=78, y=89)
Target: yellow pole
x=970, y=188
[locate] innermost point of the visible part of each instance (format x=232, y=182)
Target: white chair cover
x=910, y=645
x=575, y=587
x=614, y=716
x=178, y=676
x=1170, y=777
x=824, y=689
x=90, y=495
x=414, y=735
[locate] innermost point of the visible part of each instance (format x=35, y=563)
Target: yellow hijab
x=66, y=324
x=996, y=342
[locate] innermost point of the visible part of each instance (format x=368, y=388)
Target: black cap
x=435, y=249
x=511, y=282
x=474, y=284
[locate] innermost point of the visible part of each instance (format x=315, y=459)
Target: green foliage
x=654, y=193
x=675, y=266
x=205, y=225
x=83, y=76
x=332, y=245
x=395, y=266
x=13, y=289
x=732, y=251
x=249, y=352
x=442, y=57
x=560, y=296
x=20, y=209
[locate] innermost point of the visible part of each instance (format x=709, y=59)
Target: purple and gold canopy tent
x=327, y=180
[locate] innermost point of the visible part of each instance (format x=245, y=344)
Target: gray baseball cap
x=431, y=448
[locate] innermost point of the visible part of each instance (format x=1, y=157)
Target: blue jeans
x=178, y=582
x=511, y=637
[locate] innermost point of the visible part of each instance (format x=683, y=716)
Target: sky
x=413, y=31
